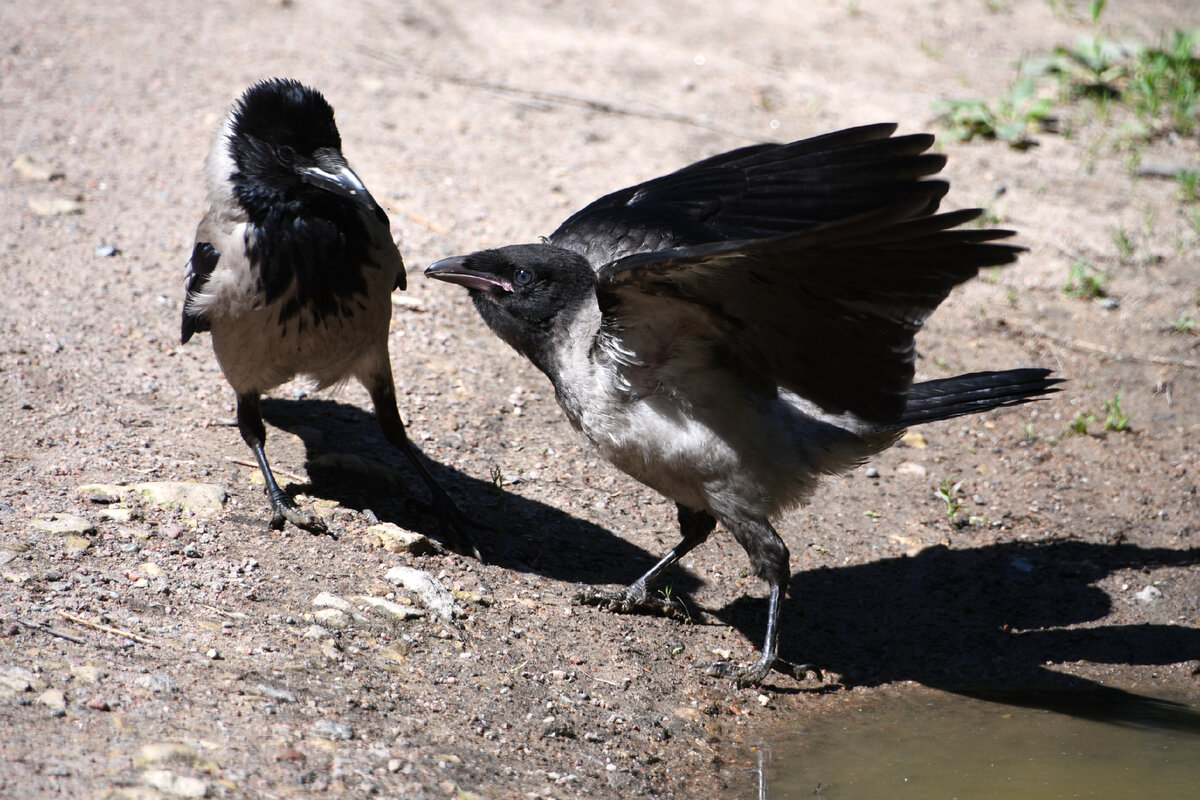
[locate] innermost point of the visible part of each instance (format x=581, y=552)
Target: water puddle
x=949, y=747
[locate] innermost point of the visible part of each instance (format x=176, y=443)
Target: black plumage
x=292, y=273
x=729, y=333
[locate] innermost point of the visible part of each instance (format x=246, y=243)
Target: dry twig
x=1092, y=347
x=37, y=626
x=245, y=462
x=563, y=99
x=87, y=623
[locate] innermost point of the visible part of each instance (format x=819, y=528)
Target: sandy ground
x=215, y=670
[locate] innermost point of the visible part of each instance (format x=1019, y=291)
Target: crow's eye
x=286, y=154
x=523, y=277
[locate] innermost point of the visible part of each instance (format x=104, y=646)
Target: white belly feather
x=702, y=438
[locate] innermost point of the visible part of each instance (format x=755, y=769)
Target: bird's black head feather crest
x=284, y=111
x=303, y=235
x=526, y=293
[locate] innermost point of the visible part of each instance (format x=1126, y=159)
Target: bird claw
x=628, y=601
x=749, y=674
x=283, y=510
x=453, y=524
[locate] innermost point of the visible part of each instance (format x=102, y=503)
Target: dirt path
x=246, y=663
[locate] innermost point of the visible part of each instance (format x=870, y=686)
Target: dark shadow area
x=1091, y=701
x=984, y=623
x=516, y=533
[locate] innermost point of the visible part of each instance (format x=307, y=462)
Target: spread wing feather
x=829, y=313
x=759, y=191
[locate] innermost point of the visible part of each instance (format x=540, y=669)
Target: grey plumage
x=732, y=332
x=292, y=273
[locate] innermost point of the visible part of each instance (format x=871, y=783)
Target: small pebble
x=1149, y=594
x=335, y=731
x=157, y=683
x=53, y=699
x=872, y=472
x=213, y=653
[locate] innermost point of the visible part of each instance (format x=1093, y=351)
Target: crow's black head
x=528, y=294
x=286, y=147
x=307, y=209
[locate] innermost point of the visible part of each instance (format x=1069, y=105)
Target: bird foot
x=453, y=525
x=750, y=674
x=630, y=601
x=283, y=510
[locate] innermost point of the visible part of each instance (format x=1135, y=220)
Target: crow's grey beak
x=329, y=171
x=454, y=270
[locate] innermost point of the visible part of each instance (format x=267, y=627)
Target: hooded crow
x=292, y=272
x=733, y=331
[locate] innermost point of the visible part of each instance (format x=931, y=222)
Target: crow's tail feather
x=972, y=393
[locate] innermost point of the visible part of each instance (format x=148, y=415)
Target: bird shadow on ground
x=984, y=622
x=981, y=622
x=350, y=462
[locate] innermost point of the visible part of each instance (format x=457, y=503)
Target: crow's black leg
x=451, y=520
x=695, y=527
x=769, y=558
x=250, y=423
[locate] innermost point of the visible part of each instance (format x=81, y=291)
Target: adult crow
x=731, y=332
x=292, y=272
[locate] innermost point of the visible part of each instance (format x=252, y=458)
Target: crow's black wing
x=829, y=313
x=758, y=192
x=204, y=261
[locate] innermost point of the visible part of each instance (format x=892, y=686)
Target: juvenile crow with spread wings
x=731, y=332
x=292, y=272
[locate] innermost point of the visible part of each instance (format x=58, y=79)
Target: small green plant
x=1095, y=9
x=1124, y=245
x=872, y=514
x=1093, y=68
x=1080, y=424
x=1084, y=281
x=1148, y=220
x=931, y=50
x=1163, y=88
x=1193, y=219
x=1009, y=118
x=1189, y=185
x=1158, y=85
x=1184, y=323
x=947, y=492
x=1115, y=419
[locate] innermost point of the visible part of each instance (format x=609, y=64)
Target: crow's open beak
x=454, y=270
x=329, y=171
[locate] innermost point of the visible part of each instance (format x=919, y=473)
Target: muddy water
x=959, y=748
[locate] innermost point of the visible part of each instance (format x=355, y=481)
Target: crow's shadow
x=981, y=622
x=984, y=622
x=516, y=533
